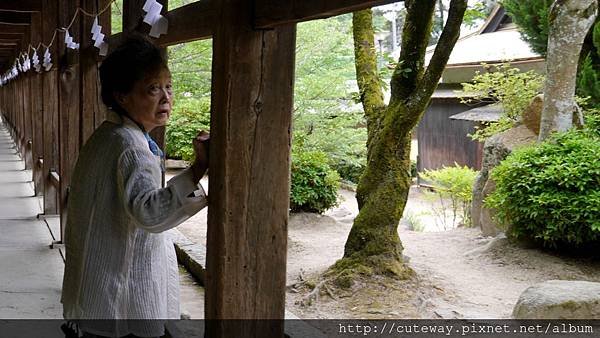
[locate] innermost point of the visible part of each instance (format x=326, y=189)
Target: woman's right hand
x=201, y=143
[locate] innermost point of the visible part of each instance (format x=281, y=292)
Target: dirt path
x=460, y=274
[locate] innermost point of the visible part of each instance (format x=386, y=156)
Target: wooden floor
x=30, y=272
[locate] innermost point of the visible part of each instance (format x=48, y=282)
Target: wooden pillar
x=27, y=146
x=252, y=100
x=93, y=112
x=50, y=107
x=36, y=105
x=68, y=100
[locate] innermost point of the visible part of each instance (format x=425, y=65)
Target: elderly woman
x=120, y=262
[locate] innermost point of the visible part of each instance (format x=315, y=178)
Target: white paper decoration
x=98, y=38
x=35, y=60
x=47, y=62
x=69, y=41
x=159, y=23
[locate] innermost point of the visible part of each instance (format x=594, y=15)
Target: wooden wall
x=443, y=141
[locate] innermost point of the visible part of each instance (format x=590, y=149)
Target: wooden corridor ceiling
x=15, y=18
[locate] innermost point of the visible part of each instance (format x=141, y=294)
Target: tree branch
x=415, y=36
x=371, y=94
x=442, y=52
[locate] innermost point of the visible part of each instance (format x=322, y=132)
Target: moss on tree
x=373, y=245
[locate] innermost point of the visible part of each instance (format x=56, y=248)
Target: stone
x=559, y=299
x=532, y=115
x=495, y=149
x=486, y=217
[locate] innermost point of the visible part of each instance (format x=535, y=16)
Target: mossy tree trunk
x=373, y=244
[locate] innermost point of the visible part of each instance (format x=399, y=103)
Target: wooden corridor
x=51, y=114
x=31, y=278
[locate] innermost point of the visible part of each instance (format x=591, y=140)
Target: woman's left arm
x=153, y=208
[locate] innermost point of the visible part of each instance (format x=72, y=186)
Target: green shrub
x=314, y=184
x=350, y=171
x=341, y=135
x=189, y=116
x=456, y=185
x=508, y=86
x=550, y=192
x=413, y=168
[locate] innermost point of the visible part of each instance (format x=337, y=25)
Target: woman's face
x=150, y=100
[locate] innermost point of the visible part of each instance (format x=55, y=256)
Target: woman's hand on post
x=200, y=165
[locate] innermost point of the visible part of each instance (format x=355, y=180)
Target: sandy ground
x=459, y=273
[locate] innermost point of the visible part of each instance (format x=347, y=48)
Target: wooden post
x=69, y=100
x=50, y=107
x=26, y=112
x=93, y=112
x=36, y=105
x=252, y=99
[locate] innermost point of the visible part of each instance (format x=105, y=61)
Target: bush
x=508, y=86
x=189, y=116
x=550, y=192
x=456, y=184
x=314, y=184
x=350, y=171
x=341, y=135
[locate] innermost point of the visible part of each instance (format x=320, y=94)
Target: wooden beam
x=21, y=5
x=9, y=28
x=252, y=101
x=15, y=17
x=194, y=21
x=191, y=22
x=271, y=13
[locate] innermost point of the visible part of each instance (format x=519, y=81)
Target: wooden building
x=442, y=134
x=52, y=113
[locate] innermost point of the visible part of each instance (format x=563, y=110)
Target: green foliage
x=323, y=116
x=191, y=65
x=550, y=192
x=116, y=17
x=413, y=221
x=592, y=121
x=324, y=63
x=476, y=12
x=341, y=136
x=454, y=184
x=532, y=18
x=314, y=184
x=505, y=85
x=588, y=79
x=188, y=117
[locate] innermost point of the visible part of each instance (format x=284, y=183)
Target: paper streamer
x=35, y=60
x=159, y=23
x=47, y=62
x=98, y=38
x=69, y=41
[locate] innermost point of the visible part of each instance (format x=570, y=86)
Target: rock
x=495, y=149
x=487, y=223
x=491, y=245
x=533, y=114
x=559, y=299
